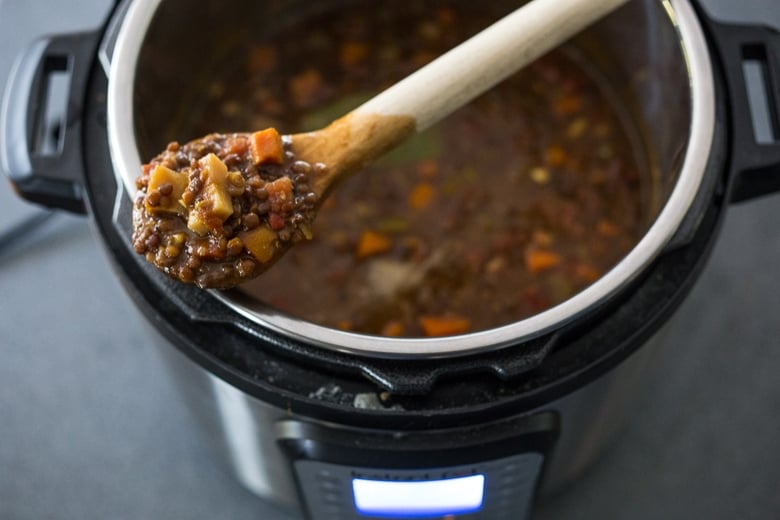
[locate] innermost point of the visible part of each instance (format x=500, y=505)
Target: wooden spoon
x=444, y=85
x=179, y=229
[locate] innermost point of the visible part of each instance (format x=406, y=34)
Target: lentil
x=196, y=239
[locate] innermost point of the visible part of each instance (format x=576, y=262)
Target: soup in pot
x=509, y=206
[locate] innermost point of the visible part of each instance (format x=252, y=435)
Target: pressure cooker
x=343, y=425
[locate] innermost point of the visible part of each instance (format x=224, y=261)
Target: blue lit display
x=419, y=498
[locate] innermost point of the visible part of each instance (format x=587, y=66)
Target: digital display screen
x=405, y=499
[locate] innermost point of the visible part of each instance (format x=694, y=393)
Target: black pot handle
x=40, y=148
x=755, y=163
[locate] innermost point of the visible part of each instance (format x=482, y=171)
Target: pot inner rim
x=692, y=45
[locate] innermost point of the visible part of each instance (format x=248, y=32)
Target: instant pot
x=475, y=426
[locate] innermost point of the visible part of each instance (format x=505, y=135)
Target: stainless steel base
x=241, y=428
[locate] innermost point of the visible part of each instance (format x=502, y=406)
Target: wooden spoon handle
x=444, y=85
x=457, y=77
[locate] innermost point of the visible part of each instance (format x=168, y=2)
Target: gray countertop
x=91, y=428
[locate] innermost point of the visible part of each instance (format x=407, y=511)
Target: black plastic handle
x=755, y=164
x=40, y=148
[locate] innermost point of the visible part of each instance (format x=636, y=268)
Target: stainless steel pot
x=654, y=55
x=297, y=408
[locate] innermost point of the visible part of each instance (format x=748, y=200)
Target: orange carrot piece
x=568, y=105
x=538, y=261
x=266, y=147
x=428, y=168
x=305, y=86
x=280, y=194
x=352, y=53
x=586, y=273
x=446, y=15
x=276, y=221
x=449, y=325
x=237, y=145
x=344, y=325
x=421, y=196
x=393, y=329
x=556, y=156
x=262, y=58
x=372, y=243
x=607, y=228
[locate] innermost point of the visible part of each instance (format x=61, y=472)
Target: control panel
x=489, y=471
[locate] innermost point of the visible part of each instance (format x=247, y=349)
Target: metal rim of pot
x=127, y=162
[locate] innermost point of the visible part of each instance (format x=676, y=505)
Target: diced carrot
x=428, y=169
x=305, y=86
x=448, y=325
x=280, y=194
x=372, y=243
x=586, y=273
x=266, y=147
x=262, y=58
x=568, y=105
x=446, y=15
x=421, y=196
x=393, y=329
x=556, y=156
x=237, y=145
x=276, y=221
x=537, y=261
x=607, y=228
x=352, y=53
x=345, y=325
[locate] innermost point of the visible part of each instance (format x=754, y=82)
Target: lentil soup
x=511, y=205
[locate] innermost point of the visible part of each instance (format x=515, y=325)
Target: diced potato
x=216, y=170
x=215, y=205
x=260, y=242
x=266, y=147
x=221, y=202
x=170, y=204
x=196, y=220
x=215, y=201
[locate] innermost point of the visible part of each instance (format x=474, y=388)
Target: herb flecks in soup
x=218, y=210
